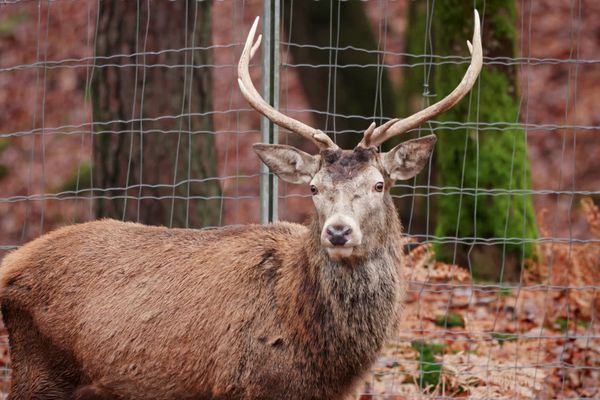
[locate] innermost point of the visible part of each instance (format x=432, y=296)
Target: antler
x=316, y=136
x=375, y=136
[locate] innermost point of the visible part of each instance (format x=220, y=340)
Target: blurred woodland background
x=131, y=110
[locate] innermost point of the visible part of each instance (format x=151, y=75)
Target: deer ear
x=287, y=162
x=408, y=158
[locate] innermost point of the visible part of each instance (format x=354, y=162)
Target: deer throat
x=364, y=298
x=363, y=309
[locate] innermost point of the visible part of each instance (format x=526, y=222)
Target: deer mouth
x=339, y=252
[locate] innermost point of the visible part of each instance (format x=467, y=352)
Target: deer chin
x=338, y=253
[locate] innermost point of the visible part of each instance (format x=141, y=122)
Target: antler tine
x=320, y=139
x=384, y=133
x=373, y=132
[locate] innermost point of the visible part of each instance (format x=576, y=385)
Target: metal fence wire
x=131, y=110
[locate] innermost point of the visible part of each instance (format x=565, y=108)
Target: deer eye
x=313, y=189
x=379, y=186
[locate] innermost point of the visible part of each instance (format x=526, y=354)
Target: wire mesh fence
x=131, y=110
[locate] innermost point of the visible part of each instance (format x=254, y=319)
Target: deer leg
x=39, y=370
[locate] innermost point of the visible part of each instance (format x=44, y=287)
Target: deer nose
x=338, y=234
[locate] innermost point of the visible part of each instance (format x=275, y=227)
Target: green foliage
x=450, y=320
x=562, y=324
x=9, y=24
x=80, y=180
x=583, y=324
x=4, y=170
x=429, y=368
x=468, y=351
x=4, y=143
x=87, y=94
x=502, y=337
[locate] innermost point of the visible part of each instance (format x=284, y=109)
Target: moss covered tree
x=478, y=160
x=159, y=143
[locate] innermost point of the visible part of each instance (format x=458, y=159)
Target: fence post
x=270, y=92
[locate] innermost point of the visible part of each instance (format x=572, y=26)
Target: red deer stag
x=119, y=310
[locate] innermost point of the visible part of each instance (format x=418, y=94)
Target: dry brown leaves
x=536, y=339
x=572, y=268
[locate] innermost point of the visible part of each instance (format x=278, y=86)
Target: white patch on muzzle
x=354, y=238
x=339, y=252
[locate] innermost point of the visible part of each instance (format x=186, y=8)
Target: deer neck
x=348, y=306
x=361, y=286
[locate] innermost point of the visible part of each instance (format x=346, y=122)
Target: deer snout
x=338, y=235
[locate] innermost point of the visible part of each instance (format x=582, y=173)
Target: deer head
x=351, y=187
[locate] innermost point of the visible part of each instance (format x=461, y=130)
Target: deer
x=118, y=310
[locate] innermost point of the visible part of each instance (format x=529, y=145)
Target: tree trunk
x=478, y=160
x=155, y=161
x=349, y=91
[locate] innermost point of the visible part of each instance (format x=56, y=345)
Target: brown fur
x=95, y=392
x=109, y=309
x=346, y=164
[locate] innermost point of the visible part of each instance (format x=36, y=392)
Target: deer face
x=348, y=186
x=351, y=187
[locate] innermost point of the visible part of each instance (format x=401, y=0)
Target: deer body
x=113, y=310
x=243, y=312
x=267, y=316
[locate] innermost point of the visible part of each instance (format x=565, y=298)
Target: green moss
x=450, y=320
x=429, y=368
x=490, y=159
